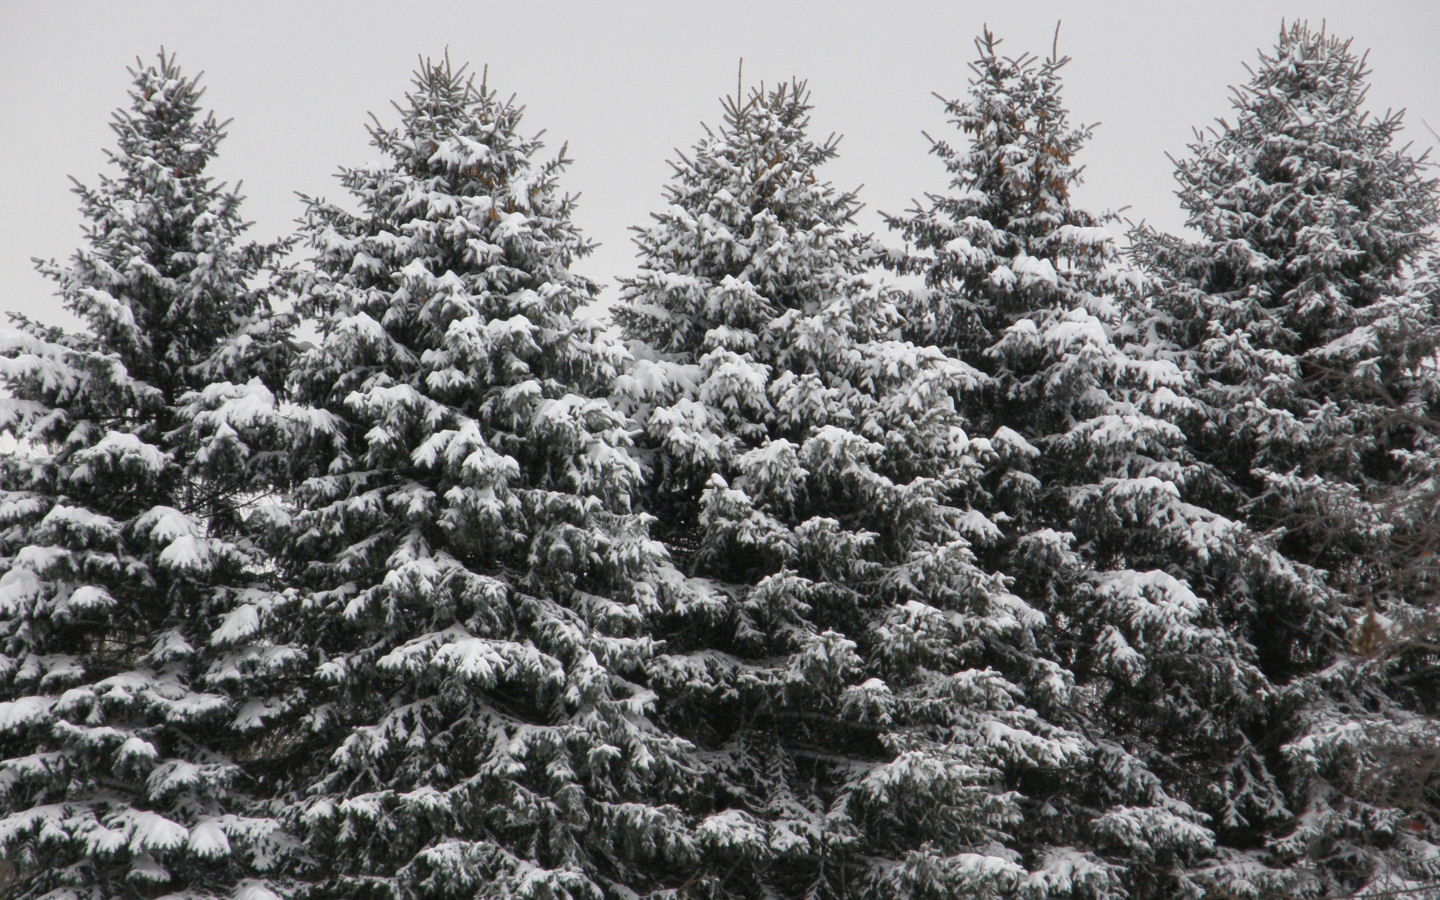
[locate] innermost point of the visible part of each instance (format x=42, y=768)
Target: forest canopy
x=1007, y=553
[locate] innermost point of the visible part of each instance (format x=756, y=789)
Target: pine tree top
x=749, y=233
x=164, y=280
x=1018, y=168
x=1007, y=239
x=1304, y=202
x=472, y=220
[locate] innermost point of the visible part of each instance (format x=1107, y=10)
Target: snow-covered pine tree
x=133, y=684
x=1096, y=496
x=861, y=685
x=1291, y=302
x=466, y=563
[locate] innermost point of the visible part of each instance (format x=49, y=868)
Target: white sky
x=627, y=83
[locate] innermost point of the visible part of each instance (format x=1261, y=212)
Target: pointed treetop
x=165, y=274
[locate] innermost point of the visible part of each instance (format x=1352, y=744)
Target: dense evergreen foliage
x=466, y=566
x=1100, y=526
x=859, y=676
x=998, y=564
x=1296, y=299
x=134, y=683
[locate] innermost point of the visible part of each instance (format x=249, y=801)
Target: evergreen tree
x=859, y=684
x=467, y=566
x=1293, y=300
x=134, y=684
x=1098, y=498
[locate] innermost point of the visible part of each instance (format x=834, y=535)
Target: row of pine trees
x=987, y=559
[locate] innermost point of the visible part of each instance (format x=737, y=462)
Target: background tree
x=862, y=685
x=1294, y=299
x=134, y=684
x=467, y=567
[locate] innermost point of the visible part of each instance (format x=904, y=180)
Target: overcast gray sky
x=627, y=83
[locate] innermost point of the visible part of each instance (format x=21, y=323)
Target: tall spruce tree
x=134, y=684
x=861, y=686
x=467, y=566
x=1292, y=301
x=1102, y=528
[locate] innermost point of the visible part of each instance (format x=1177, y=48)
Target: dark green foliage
x=134, y=685
x=1293, y=302
x=861, y=683
x=467, y=569
x=1094, y=492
